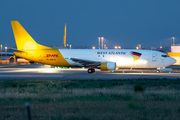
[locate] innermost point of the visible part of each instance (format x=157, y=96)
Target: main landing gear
x=91, y=70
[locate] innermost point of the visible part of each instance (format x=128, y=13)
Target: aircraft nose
x=172, y=60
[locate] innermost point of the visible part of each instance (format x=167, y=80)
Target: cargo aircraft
x=104, y=59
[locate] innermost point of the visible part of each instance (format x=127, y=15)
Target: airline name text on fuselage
x=112, y=53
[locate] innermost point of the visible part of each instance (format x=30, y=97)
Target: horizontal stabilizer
x=7, y=53
x=14, y=50
x=4, y=57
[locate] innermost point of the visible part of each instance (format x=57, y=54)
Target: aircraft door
x=154, y=57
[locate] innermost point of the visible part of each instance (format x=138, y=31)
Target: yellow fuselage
x=49, y=56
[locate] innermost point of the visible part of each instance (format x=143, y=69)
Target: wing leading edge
x=85, y=62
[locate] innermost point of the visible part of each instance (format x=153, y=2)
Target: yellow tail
x=23, y=40
x=64, y=43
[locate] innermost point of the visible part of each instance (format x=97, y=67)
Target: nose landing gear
x=163, y=69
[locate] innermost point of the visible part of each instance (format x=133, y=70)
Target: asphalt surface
x=39, y=72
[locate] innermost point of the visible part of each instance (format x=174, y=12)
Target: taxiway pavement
x=29, y=73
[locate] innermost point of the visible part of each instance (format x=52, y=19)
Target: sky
x=125, y=23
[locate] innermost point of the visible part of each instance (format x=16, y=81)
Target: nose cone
x=172, y=60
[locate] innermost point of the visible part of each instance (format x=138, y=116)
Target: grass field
x=135, y=99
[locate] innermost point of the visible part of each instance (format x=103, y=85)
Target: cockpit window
x=164, y=55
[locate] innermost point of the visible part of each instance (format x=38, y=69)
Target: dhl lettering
x=52, y=55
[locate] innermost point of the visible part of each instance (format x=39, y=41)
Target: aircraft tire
x=91, y=70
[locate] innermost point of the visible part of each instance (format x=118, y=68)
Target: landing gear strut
x=91, y=70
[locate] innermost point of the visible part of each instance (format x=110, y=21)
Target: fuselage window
x=98, y=55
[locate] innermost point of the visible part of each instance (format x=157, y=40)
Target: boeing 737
x=104, y=59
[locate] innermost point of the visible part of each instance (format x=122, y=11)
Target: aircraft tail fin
x=64, y=43
x=23, y=40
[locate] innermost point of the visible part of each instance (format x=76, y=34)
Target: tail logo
x=135, y=55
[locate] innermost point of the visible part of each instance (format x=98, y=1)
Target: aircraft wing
x=85, y=62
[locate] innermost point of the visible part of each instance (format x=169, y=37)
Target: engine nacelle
x=108, y=66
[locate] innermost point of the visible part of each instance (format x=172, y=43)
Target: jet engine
x=107, y=66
